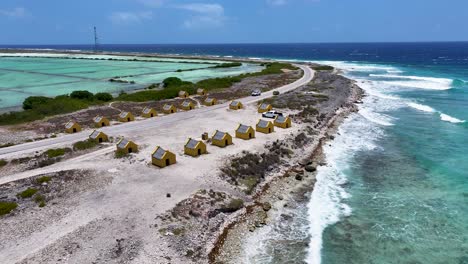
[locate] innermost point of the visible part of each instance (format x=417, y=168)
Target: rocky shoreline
x=282, y=190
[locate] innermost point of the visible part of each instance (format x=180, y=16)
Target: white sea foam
x=417, y=81
x=326, y=206
x=424, y=108
x=443, y=117
x=377, y=118
x=447, y=118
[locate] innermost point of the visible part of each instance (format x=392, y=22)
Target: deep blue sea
x=395, y=187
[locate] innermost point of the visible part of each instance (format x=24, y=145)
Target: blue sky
x=231, y=21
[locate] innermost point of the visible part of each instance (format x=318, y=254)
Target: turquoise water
x=396, y=186
x=21, y=77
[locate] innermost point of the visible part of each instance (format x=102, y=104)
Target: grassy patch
x=52, y=153
x=120, y=154
x=3, y=162
x=249, y=183
x=233, y=205
x=28, y=193
x=7, y=207
x=40, y=200
x=43, y=179
x=228, y=65
x=323, y=68
x=85, y=144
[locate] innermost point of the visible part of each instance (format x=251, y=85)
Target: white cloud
x=152, y=3
x=18, y=12
x=130, y=17
x=205, y=15
x=277, y=2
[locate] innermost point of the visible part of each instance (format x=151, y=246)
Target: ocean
x=395, y=187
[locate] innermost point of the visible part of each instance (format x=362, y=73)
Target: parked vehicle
x=272, y=114
x=256, y=93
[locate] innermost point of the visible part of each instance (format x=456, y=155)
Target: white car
x=256, y=93
x=271, y=114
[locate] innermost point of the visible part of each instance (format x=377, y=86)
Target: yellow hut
x=100, y=121
x=183, y=94
x=235, y=105
x=210, y=101
x=169, y=109
x=72, y=127
x=201, y=91
x=98, y=136
x=162, y=158
x=245, y=132
x=264, y=107
x=283, y=122
x=149, y=112
x=126, y=117
x=194, y=147
x=127, y=146
x=265, y=127
x=187, y=105
x=221, y=139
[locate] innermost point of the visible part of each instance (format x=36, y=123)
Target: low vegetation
x=323, y=68
x=28, y=193
x=85, y=144
x=233, y=205
x=52, y=153
x=120, y=154
x=7, y=207
x=39, y=107
x=43, y=179
x=3, y=163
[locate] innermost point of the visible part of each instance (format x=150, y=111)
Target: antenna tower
x=96, y=40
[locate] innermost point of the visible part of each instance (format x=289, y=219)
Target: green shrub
x=7, y=207
x=105, y=97
x=276, y=92
x=52, y=153
x=233, y=205
x=40, y=199
x=82, y=95
x=3, y=162
x=323, y=68
x=28, y=193
x=86, y=144
x=120, y=154
x=172, y=81
x=32, y=101
x=6, y=145
x=43, y=179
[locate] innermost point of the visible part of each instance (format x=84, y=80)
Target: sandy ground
x=141, y=190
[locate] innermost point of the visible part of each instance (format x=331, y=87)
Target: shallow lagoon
x=55, y=74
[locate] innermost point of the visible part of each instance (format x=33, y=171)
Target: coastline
x=225, y=248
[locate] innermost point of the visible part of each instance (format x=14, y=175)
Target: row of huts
x=163, y=158
x=148, y=112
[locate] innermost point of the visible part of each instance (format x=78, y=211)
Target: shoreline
x=236, y=228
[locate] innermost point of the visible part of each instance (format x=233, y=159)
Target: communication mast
x=96, y=40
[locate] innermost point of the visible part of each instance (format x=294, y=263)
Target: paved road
x=147, y=124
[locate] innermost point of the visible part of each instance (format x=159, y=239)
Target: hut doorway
x=226, y=142
x=152, y=115
x=103, y=124
x=74, y=130
x=130, y=150
x=100, y=140
x=168, y=162
x=128, y=119
x=199, y=151
x=250, y=135
x=269, y=130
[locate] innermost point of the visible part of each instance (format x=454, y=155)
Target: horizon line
x=246, y=43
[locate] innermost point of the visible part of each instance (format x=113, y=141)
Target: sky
x=231, y=21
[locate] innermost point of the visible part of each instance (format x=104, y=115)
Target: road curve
x=148, y=124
